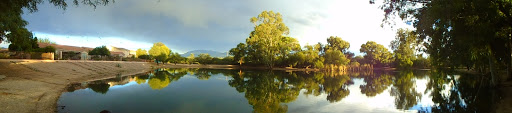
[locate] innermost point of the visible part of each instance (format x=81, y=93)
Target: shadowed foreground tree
x=471, y=33
x=21, y=40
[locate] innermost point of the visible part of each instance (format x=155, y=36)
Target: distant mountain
x=211, y=52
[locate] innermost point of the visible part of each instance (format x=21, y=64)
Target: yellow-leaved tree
x=159, y=51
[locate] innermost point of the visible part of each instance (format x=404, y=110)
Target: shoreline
x=28, y=86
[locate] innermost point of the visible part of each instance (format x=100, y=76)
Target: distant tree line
x=272, y=49
x=275, y=49
x=160, y=53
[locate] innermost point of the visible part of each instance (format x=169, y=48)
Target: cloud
x=185, y=25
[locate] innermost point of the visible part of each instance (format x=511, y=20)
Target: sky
x=185, y=25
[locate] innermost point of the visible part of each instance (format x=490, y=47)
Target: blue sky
x=185, y=25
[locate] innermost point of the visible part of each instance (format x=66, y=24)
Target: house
x=116, y=51
x=68, y=52
x=119, y=54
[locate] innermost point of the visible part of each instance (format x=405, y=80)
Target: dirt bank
x=232, y=67
x=34, y=86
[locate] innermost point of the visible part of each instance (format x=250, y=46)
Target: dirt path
x=34, y=86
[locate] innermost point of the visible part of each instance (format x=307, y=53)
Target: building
x=119, y=54
x=116, y=51
x=68, y=52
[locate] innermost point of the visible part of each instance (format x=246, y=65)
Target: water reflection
x=273, y=91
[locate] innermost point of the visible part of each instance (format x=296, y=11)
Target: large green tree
x=336, y=43
x=335, y=57
x=263, y=43
x=375, y=54
x=404, y=47
x=334, y=51
x=287, y=47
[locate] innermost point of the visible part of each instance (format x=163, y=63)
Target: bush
x=319, y=64
x=46, y=49
x=421, y=63
x=146, y=57
x=4, y=55
x=102, y=50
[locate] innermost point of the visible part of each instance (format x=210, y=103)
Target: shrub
x=4, y=55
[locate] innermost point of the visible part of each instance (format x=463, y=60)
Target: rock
x=2, y=77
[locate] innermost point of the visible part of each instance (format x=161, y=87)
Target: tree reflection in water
x=163, y=77
x=404, y=90
x=460, y=93
x=271, y=91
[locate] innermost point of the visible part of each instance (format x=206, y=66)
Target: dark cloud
x=185, y=24
x=181, y=24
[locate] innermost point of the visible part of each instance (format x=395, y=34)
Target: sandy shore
x=34, y=86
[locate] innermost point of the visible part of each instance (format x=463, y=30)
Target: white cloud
x=217, y=25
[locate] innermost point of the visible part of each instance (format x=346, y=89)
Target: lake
x=242, y=91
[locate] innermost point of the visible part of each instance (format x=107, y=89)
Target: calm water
x=242, y=91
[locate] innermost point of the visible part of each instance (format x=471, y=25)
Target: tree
x=140, y=52
x=46, y=49
x=21, y=40
x=101, y=50
x=336, y=43
x=461, y=32
x=204, y=58
x=264, y=40
x=146, y=57
x=287, y=47
x=311, y=55
x=404, y=47
x=175, y=58
x=190, y=58
x=375, y=54
x=334, y=51
x=159, y=51
x=239, y=52
x=45, y=40
x=359, y=59
x=335, y=57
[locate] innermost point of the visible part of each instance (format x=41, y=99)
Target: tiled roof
x=65, y=47
x=117, y=53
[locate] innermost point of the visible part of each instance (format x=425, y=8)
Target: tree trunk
x=509, y=66
x=491, y=70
